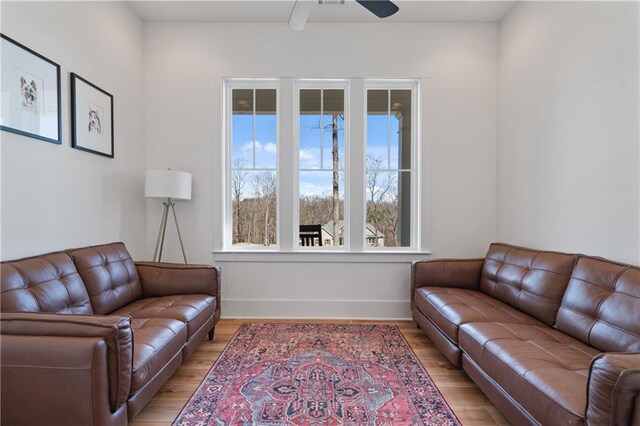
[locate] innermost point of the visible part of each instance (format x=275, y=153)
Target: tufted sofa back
x=109, y=274
x=532, y=281
x=47, y=283
x=601, y=306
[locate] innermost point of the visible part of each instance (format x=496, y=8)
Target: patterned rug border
x=246, y=324
x=423, y=369
x=214, y=366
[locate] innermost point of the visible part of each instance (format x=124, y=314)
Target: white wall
x=56, y=197
x=568, y=128
x=184, y=67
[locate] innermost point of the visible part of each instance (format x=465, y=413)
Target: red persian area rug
x=317, y=374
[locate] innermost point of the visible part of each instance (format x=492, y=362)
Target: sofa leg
x=211, y=333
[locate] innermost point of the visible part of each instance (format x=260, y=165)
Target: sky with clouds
x=315, y=147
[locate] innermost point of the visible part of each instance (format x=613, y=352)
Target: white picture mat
x=88, y=98
x=41, y=119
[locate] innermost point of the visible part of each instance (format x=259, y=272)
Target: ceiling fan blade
x=299, y=14
x=380, y=8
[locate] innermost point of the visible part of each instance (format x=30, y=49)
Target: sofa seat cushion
x=192, y=309
x=543, y=369
x=449, y=308
x=155, y=342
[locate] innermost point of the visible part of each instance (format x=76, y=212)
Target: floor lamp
x=170, y=185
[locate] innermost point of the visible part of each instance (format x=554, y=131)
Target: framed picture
x=91, y=117
x=30, y=93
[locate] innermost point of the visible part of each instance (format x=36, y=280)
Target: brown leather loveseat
x=89, y=336
x=551, y=338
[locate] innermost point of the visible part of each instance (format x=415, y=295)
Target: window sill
x=316, y=256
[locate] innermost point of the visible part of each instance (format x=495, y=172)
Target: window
x=321, y=148
x=253, y=181
x=335, y=194
x=389, y=168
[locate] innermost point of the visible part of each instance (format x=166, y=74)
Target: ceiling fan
x=301, y=9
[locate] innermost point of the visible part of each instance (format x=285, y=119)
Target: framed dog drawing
x=30, y=93
x=91, y=117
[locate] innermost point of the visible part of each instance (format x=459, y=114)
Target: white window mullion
x=223, y=237
x=287, y=165
x=295, y=163
x=321, y=129
x=389, y=129
x=253, y=151
x=421, y=170
x=346, y=168
x=355, y=169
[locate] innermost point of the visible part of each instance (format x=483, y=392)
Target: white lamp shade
x=172, y=184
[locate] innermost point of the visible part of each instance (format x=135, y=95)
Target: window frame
x=229, y=84
x=412, y=84
x=319, y=84
x=355, y=157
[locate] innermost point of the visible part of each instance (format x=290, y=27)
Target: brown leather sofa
x=89, y=336
x=551, y=338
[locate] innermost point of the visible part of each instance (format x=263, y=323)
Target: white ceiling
x=278, y=11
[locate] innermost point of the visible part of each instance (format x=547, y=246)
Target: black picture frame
x=42, y=110
x=91, y=118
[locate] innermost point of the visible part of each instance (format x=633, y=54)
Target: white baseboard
x=316, y=309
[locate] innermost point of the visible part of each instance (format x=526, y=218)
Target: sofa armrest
x=613, y=389
x=166, y=279
x=51, y=336
x=456, y=273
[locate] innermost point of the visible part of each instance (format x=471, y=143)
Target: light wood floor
x=466, y=400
